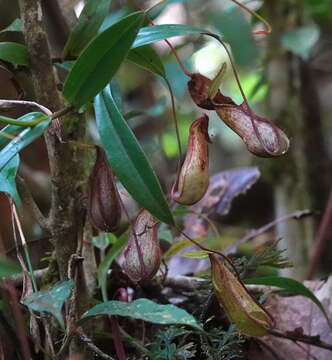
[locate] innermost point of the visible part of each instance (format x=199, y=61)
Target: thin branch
x=322, y=237
x=89, y=343
x=296, y=215
x=311, y=340
x=30, y=202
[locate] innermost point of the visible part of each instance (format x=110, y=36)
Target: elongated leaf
x=15, y=26
x=101, y=59
x=14, y=53
x=150, y=34
x=7, y=267
x=128, y=159
x=146, y=310
x=115, y=250
x=91, y=17
x=291, y=285
x=24, y=139
x=196, y=254
x=147, y=58
x=7, y=179
x=179, y=245
x=50, y=301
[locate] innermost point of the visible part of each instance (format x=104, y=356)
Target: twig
x=296, y=215
x=311, y=340
x=30, y=202
x=323, y=234
x=89, y=343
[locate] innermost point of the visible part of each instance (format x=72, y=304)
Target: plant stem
x=260, y=18
x=25, y=248
x=11, y=121
x=311, y=340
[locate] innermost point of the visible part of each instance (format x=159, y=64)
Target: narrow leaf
x=146, y=310
x=147, y=58
x=196, y=254
x=14, y=53
x=89, y=21
x=128, y=159
x=7, y=179
x=50, y=301
x=150, y=34
x=100, y=60
x=15, y=26
x=179, y=245
x=25, y=137
x=114, y=251
x=7, y=267
x=291, y=285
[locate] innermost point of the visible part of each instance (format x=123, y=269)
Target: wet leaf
x=50, y=301
x=146, y=310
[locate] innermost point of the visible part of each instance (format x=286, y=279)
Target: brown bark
x=65, y=217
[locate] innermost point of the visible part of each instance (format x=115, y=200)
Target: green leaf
x=147, y=58
x=30, y=119
x=146, y=310
x=7, y=179
x=25, y=137
x=16, y=25
x=128, y=159
x=89, y=21
x=7, y=267
x=196, y=254
x=14, y=53
x=301, y=40
x=150, y=34
x=107, y=262
x=100, y=60
x=216, y=82
x=290, y=285
x=50, y=301
x=179, y=245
